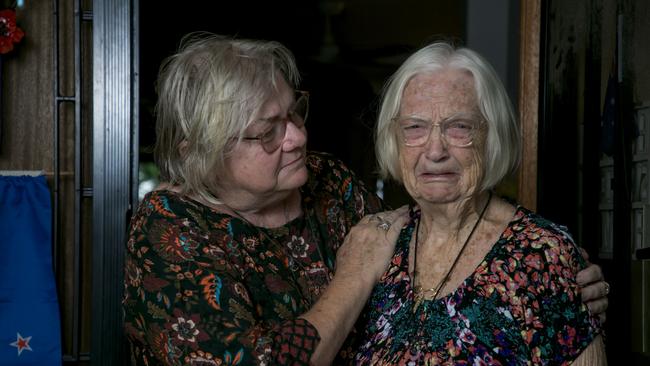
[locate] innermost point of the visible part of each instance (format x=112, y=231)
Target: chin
x=436, y=196
x=295, y=180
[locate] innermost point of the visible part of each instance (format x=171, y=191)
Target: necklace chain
x=418, y=291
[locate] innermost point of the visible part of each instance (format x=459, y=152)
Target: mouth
x=439, y=176
x=295, y=161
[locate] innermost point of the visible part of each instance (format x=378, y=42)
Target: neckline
x=404, y=250
x=273, y=237
x=420, y=294
x=295, y=221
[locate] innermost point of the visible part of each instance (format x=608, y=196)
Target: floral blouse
x=203, y=287
x=520, y=306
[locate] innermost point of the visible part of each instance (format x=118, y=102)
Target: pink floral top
x=520, y=306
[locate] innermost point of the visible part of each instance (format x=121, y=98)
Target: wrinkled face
x=257, y=172
x=436, y=172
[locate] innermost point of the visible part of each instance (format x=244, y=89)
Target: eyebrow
x=272, y=119
x=277, y=115
x=452, y=116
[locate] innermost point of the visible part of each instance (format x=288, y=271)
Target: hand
x=369, y=246
x=594, y=289
x=360, y=263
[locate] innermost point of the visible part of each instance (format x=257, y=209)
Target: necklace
x=418, y=291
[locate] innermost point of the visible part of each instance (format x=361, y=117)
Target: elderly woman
x=474, y=279
x=232, y=259
x=247, y=253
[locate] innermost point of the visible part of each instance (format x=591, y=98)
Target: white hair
x=502, y=145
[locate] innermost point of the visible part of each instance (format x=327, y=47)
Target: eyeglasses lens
x=297, y=115
x=456, y=132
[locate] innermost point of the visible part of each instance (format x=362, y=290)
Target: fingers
x=396, y=217
x=387, y=219
x=595, y=291
x=369, y=246
x=591, y=274
x=598, y=307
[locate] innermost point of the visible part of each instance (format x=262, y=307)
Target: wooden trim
x=529, y=100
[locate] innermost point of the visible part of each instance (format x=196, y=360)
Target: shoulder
x=166, y=207
x=539, y=228
x=543, y=244
x=179, y=228
x=336, y=192
x=164, y=203
x=330, y=176
x=321, y=164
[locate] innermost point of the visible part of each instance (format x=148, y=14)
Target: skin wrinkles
x=435, y=172
x=444, y=179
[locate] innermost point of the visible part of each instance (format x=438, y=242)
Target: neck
x=451, y=220
x=270, y=212
x=265, y=211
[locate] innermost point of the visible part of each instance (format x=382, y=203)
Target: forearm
x=335, y=313
x=593, y=355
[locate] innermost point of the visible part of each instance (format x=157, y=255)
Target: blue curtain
x=30, y=329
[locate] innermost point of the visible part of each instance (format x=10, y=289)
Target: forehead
x=439, y=93
x=277, y=102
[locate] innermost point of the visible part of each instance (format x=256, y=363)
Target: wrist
x=359, y=281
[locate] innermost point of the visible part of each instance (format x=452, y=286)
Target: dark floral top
x=203, y=287
x=520, y=306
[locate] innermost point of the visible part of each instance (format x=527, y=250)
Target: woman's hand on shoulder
x=594, y=289
x=369, y=246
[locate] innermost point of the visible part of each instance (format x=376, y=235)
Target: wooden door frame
x=529, y=51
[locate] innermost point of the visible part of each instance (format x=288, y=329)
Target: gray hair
x=208, y=93
x=502, y=145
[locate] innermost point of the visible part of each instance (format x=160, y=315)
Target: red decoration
x=9, y=32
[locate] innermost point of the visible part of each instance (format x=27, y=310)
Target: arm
x=594, y=355
x=361, y=261
x=559, y=326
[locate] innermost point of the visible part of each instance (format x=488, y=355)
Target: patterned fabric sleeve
x=186, y=300
x=342, y=199
x=558, y=326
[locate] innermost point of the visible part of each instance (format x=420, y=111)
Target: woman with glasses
x=474, y=279
x=232, y=259
x=248, y=253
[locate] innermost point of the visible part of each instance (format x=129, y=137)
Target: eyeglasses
x=271, y=139
x=458, y=130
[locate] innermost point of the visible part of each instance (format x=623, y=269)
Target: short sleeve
x=557, y=325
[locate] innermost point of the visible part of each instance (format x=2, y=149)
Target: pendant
x=418, y=301
x=418, y=294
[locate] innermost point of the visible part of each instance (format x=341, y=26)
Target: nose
x=436, y=146
x=294, y=137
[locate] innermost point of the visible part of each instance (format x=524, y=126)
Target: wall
x=600, y=189
x=30, y=142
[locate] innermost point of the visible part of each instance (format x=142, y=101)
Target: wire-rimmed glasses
x=457, y=130
x=271, y=139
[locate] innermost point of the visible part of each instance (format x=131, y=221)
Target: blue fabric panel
x=30, y=329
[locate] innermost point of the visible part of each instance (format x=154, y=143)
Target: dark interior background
x=343, y=68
